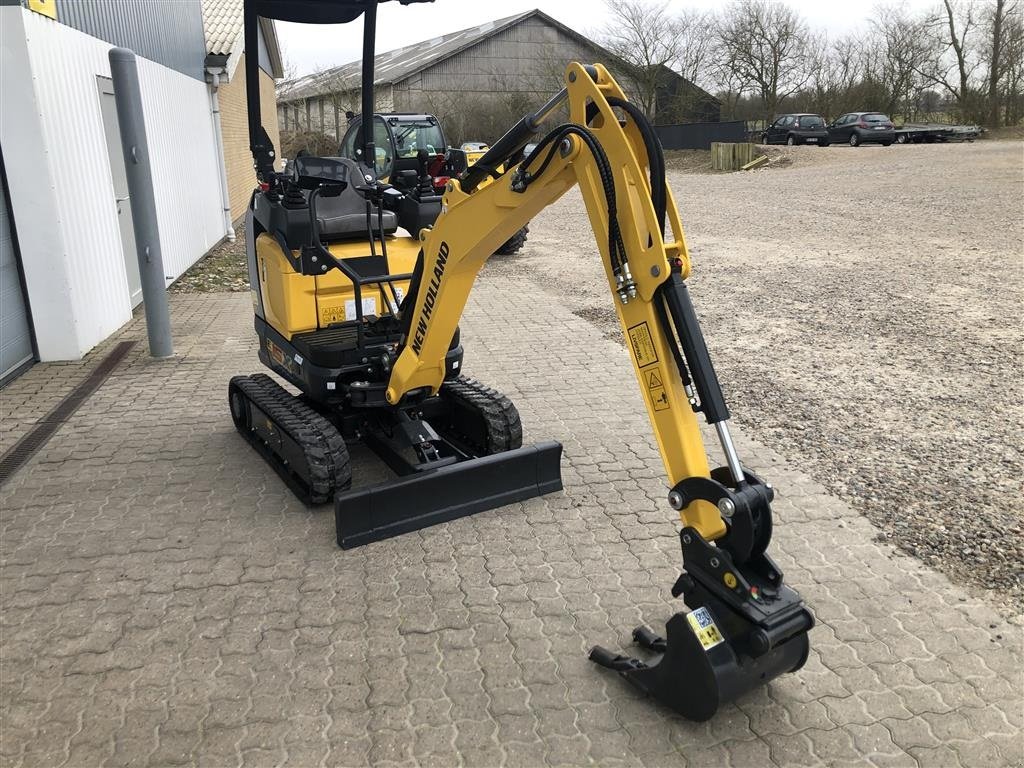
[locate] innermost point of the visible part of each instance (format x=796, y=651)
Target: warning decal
x=704, y=627
x=643, y=345
x=656, y=389
x=331, y=314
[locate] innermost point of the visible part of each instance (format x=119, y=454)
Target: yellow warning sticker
x=643, y=345
x=704, y=627
x=656, y=389
x=332, y=314
x=660, y=399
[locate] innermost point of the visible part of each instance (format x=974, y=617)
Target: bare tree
x=695, y=44
x=994, y=64
x=954, y=63
x=998, y=26
x=834, y=70
x=904, y=57
x=1012, y=53
x=646, y=38
x=764, y=44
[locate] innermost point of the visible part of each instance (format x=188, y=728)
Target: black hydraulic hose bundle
x=616, y=247
x=655, y=156
x=656, y=168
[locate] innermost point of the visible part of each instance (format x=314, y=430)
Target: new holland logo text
x=431, y=297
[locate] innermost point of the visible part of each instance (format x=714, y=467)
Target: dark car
x=863, y=128
x=797, y=129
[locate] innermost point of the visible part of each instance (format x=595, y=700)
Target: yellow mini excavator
x=358, y=289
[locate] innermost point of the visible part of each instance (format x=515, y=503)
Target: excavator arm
x=474, y=223
x=745, y=625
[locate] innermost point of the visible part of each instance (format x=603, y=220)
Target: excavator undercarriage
x=358, y=289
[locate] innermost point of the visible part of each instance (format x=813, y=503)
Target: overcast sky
x=309, y=48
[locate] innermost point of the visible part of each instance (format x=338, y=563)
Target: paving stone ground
x=165, y=600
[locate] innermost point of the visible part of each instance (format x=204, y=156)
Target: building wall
x=62, y=194
x=508, y=73
x=528, y=58
x=234, y=126
x=169, y=33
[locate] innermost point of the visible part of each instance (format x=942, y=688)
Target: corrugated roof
x=394, y=66
x=222, y=23
x=224, y=27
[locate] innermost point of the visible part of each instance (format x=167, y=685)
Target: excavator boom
x=745, y=626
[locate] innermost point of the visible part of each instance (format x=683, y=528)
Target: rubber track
x=328, y=467
x=504, y=428
x=514, y=244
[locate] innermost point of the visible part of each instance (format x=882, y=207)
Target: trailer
x=930, y=133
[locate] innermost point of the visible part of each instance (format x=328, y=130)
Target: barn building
x=477, y=80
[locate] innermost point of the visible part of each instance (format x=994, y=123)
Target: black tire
x=886, y=143
x=823, y=144
x=764, y=138
x=901, y=139
x=854, y=139
x=481, y=417
x=791, y=140
x=514, y=244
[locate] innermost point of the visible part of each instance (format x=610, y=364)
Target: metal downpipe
x=218, y=137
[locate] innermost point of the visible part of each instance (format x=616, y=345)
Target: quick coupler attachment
x=745, y=628
x=446, y=493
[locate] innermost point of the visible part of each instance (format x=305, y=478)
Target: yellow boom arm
x=473, y=225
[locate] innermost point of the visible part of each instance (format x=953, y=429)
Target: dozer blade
x=437, y=496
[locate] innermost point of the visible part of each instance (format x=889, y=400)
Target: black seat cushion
x=344, y=216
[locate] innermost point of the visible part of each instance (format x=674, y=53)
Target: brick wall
x=235, y=132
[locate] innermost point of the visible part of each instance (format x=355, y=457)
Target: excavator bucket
x=436, y=496
x=697, y=668
x=744, y=629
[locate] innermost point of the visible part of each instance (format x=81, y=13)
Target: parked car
x=802, y=128
x=858, y=128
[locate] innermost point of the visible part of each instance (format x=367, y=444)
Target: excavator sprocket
x=303, y=447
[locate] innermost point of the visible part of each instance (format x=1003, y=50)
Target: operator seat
x=343, y=217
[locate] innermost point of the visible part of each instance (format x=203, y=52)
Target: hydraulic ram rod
x=517, y=137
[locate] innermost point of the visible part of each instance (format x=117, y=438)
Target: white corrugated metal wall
x=62, y=65
x=179, y=127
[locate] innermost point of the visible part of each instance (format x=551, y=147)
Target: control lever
x=377, y=193
x=425, y=188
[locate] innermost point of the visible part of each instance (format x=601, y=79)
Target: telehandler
x=358, y=289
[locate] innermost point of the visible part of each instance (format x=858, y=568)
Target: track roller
x=303, y=447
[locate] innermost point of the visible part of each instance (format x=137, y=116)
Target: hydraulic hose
x=655, y=156
x=551, y=142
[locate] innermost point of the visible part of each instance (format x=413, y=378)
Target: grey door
x=120, y=179
x=15, y=329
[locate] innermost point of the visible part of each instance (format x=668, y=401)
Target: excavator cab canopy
x=306, y=12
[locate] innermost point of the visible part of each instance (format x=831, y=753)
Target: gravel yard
x=864, y=308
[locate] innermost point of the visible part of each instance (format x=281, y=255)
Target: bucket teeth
x=644, y=637
x=616, y=661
